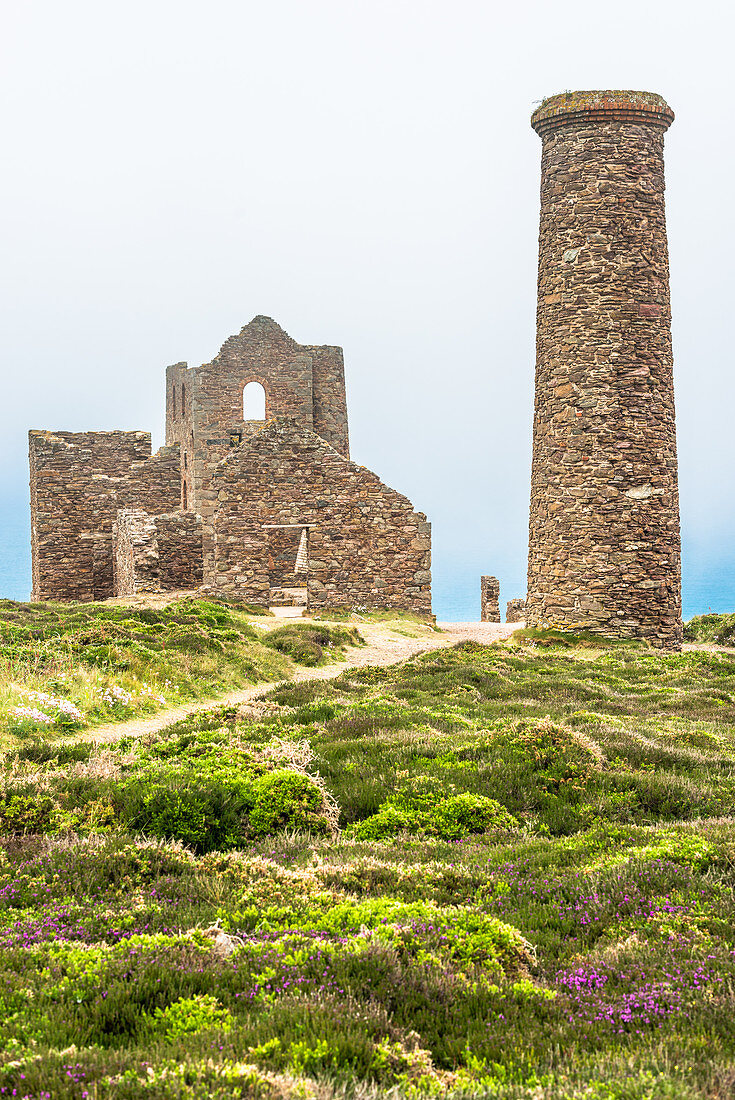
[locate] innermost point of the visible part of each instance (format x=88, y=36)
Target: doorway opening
x=288, y=568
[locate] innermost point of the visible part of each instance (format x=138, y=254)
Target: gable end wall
x=367, y=545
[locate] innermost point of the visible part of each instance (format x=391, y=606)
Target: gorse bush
x=423, y=807
x=287, y=800
x=187, y=1016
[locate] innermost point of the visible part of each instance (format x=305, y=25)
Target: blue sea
x=708, y=579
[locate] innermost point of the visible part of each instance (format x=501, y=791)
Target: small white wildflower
x=63, y=706
x=32, y=714
x=114, y=694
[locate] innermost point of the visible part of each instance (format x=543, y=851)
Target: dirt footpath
x=387, y=644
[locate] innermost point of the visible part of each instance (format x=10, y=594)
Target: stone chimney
x=604, y=545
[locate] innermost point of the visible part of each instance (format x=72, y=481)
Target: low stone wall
x=515, y=611
x=179, y=537
x=489, y=600
x=135, y=553
x=156, y=553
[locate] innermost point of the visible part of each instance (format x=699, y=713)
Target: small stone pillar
x=489, y=600
x=515, y=611
x=604, y=548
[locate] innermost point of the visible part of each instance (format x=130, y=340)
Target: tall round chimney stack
x=604, y=546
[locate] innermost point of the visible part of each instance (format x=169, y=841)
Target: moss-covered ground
x=501, y=871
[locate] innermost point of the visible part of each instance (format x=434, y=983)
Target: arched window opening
x=186, y=461
x=183, y=399
x=253, y=402
x=174, y=400
x=184, y=497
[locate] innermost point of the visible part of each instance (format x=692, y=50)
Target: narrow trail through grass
x=384, y=647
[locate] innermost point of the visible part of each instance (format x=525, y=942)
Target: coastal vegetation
x=64, y=667
x=711, y=628
x=489, y=871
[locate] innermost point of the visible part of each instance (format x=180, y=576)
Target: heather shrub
x=309, y=644
x=589, y=955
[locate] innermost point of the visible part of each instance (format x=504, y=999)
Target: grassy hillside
x=501, y=871
x=64, y=667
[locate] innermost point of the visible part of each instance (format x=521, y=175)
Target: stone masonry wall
x=204, y=405
x=515, y=611
x=367, y=546
x=135, y=553
x=179, y=537
x=489, y=600
x=79, y=482
x=107, y=516
x=604, y=546
x=156, y=553
x=180, y=426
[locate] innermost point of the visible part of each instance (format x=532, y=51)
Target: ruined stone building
x=262, y=504
x=604, y=547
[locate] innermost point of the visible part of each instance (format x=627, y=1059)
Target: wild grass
x=68, y=666
x=519, y=882
x=313, y=643
x=360, y=614
x=716, y=629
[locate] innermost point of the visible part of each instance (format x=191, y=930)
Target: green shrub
x=25, y=813
x=557, y=638
x=424, y=808
x=203, y=811
x=287, y=800
x=715, y=629
x=467, y=813
x=680, y=847
x=388, y=822
x=187, y=1016
x=213, y=791
x=306, y=643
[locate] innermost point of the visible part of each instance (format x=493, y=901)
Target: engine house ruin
x=253, y=495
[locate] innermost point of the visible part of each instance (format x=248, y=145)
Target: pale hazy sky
x=364, y=172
